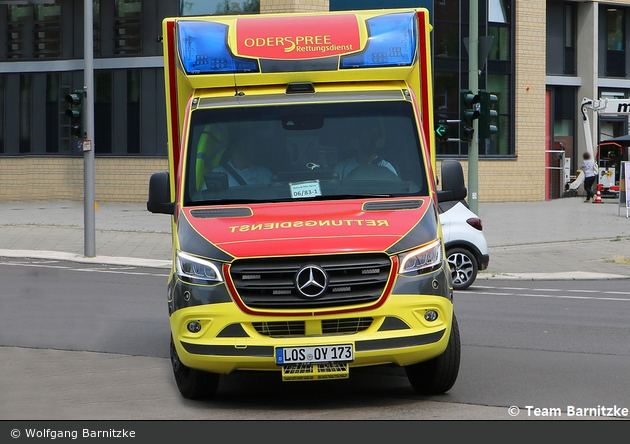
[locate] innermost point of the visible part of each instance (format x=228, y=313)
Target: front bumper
x=395, y=332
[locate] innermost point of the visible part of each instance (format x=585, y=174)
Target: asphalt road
x=91, y=343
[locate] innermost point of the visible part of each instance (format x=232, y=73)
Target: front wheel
x=193, y=384
x=438, y=375
x=463, y=267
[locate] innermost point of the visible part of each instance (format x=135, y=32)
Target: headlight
x=422, y=260
x=196, y=270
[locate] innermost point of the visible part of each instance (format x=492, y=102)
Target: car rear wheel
x=463, y=267
x=438, y=375
x=193, y=384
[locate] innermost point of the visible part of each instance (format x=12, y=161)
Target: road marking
x=549, y=296
x=96, y=270
x=568, y=290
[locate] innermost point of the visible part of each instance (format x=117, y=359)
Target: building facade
x=544, y=57
x=587, y=57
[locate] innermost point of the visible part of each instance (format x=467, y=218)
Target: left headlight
x=422, y=260
x=196, y=270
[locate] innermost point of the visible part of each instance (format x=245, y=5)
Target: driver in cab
x=240, y=168
x=367, y=146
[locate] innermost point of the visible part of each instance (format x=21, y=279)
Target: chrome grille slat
x=364, y=274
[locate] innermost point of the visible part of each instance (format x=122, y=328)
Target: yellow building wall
x=275, y=6
x=121, y=179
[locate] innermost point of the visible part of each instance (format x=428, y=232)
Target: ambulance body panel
x=320, y=249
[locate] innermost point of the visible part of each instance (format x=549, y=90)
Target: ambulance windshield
x=330, y=150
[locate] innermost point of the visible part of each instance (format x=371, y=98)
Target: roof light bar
x=203, y=49
x=392, y=41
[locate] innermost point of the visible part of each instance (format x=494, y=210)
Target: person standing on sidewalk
x=590, y=174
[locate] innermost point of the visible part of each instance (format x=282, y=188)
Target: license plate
x=314, y=354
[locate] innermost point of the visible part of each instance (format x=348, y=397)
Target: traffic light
x=469, y=112
x=487, y=102
x=441, y=131
x=75, y=113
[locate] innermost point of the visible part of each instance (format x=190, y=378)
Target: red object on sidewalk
x=598, y=197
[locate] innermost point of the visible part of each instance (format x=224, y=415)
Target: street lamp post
x=473, y=85
x=88, y=145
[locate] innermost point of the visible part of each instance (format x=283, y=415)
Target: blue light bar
x=391, y=42
x=203, y=49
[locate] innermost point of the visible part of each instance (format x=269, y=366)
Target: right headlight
x=197, y=270
x=421, y=260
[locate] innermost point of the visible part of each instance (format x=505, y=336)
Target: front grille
x=345, y=326
x=276, y=329
x=314, y=372
x=296, y=328
x=271, y=282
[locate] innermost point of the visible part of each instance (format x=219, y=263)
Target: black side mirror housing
x=160, y=194
x=453, y=185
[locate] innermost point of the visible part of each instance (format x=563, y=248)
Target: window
x=570, y=17
x=103, y=81
x=127, y=24
x=52, y=118
x=305, y=151
x=47, y=31
x=447, y=36
x=201, y=7
x=499, y=144
x=451, y=74
x=133, y=111
x=25, y=110
x=615, y=42
x=17, y=37
x=499, y=28
x=499, y=78
x=2, y=121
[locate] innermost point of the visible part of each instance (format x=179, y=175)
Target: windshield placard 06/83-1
x=309, y=188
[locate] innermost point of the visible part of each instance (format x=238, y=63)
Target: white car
x=465, y=243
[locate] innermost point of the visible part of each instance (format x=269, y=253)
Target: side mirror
x=160, y=194
x=453, y=185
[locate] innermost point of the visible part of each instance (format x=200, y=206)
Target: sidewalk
x=556, y=239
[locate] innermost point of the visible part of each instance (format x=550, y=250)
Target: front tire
x=193, y=384
x=463, y=265
x=438, y=375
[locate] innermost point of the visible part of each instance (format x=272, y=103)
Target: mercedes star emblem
x=311, y=281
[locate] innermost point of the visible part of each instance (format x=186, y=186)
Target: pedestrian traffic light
x=469, y=112
x=75, y=113
x=487, y=102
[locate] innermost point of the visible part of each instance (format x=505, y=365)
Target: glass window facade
x=129, y=98
x=200, y=7
x=451, y=72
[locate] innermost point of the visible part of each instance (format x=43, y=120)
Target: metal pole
x=473, y=85
x=88, y=155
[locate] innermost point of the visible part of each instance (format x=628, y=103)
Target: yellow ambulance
x=303, y=198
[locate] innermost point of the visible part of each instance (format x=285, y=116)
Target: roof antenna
x=237, y=92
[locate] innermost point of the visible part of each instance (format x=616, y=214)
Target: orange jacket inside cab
x=303, y=199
